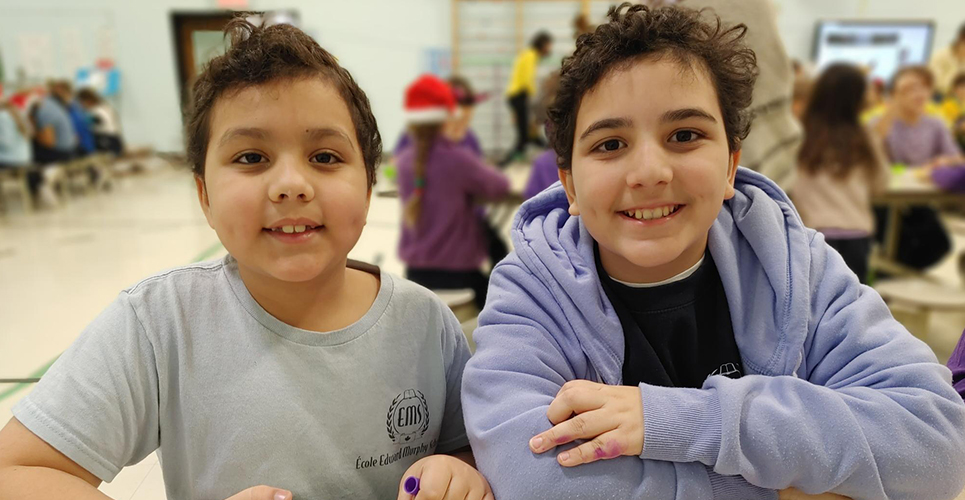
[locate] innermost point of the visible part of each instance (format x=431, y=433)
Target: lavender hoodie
x=837, y=395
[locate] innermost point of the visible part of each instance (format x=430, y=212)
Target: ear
x=566, y=178
x=735, y=159
x=203, y=198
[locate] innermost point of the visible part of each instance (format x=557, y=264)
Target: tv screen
x=881, y=46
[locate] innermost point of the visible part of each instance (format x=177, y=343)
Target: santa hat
x=428, y=100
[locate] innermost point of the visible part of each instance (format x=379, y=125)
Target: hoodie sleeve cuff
x=737, y=488
x=680, y=425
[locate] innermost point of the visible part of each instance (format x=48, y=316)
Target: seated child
x=283, y=364
x=667, y=328
x=444, y=242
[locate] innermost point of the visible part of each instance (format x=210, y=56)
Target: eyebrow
x=321, y=133
x=254, y=133
x=606, y=123
x=683, y=114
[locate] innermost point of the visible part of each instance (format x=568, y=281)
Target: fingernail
x=564, y=457
x=536, y=443
x=281, y=495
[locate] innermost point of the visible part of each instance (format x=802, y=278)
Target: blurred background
x=860, y=117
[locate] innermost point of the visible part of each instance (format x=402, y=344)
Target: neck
x=910, y=116
x=619, y=268
x=318, y=304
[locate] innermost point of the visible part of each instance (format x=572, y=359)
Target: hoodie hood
x=760, y=247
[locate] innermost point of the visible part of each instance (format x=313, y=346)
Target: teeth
x=288, y=229
x=299, y=229
x=649, y=214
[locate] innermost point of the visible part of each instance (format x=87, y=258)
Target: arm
x=882, y=170
x=481, y=179
x=46, y=136
x=518, y=369
x=873, y=416
x=31, y=468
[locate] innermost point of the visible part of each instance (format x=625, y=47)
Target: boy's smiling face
x=650, y=138
x=285, y=154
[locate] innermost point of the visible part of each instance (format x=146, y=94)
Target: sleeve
x=517, y=370
x=956, y=363
x=455, y=350
x=528, y=72
x=404, y=141
x=946, y=142
x=98, y=404
x=874, y=415
x=949, y=178
x=481, y=179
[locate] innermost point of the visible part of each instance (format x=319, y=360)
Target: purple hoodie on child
x=837, y=396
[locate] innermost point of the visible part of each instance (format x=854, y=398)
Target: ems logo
x=408, y=417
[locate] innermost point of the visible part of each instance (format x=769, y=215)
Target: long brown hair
x=834, y=139
x=424, y=135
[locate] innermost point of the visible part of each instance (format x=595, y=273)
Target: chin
x=650, y=253
x=296, y=270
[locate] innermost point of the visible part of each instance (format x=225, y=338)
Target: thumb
x=263, y=493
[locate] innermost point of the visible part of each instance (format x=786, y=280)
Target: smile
x=652, y=213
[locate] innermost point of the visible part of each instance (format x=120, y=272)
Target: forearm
x=45, y=483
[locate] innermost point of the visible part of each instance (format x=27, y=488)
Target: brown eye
x=324, y=158
x=250, y=158
x=684, y=136
x=610, y=145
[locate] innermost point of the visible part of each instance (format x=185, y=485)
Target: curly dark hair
x=258, y=55
x=635, y=31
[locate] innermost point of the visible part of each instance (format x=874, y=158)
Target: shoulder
x=194, y=279
x=412, y=297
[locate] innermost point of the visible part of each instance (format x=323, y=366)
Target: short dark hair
x=918, y=70
x=258, y=55
x=89, y=95
x=540, y=40
x=961, y=35
x=634, y=31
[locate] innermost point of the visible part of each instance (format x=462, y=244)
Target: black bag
x=923, y=240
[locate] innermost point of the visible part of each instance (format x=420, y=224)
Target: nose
x=648, y=167
x=289, y=182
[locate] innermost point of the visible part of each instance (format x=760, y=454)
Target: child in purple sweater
x=443, y=244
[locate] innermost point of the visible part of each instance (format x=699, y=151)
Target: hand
x=609, y=417
x=793, y=494
x=444, y=477
x=263, y=493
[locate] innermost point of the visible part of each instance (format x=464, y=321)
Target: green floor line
x=213, y=249
x=37, y=374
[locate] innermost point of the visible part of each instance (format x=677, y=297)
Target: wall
x=381, y=42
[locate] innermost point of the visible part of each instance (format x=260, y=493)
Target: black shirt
x=676, y=334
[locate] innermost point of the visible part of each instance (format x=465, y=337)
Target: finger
x=576, y=396
x=604, y=447
x=458, y=489
x=434, y=483
x=583, y=426
x=415, y=470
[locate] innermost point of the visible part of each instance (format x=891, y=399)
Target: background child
x=954, y=109
x=522, y=90
x=284, y=364
x=753, y=359
x=443, y=243
x=107, y=133
x=840, y=167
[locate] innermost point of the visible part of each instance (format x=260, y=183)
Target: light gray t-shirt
x=188, y=362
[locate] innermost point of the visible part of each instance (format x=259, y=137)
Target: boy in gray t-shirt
x=222, y=366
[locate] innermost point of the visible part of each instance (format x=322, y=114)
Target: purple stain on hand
x=411, y=485
x=613, y=450
x=563, y=439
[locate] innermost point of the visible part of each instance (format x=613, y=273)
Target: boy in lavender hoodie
x=667, y=328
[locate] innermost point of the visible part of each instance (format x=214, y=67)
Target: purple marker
x=411, y=485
